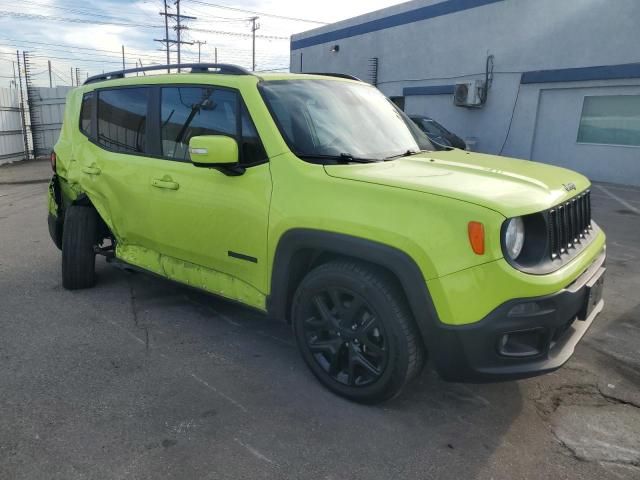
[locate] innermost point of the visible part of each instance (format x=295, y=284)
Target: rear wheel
x=79, y=238
x=355, y=332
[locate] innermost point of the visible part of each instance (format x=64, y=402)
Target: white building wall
x=523, y=36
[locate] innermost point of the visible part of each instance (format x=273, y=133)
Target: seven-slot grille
x=569, y=223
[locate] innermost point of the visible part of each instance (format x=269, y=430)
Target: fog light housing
x=525, y=343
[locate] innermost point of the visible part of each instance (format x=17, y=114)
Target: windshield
x=327, y=118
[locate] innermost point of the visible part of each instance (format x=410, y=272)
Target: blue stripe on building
x=424, y=13
x=582, y=74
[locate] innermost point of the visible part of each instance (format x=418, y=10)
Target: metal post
x=178, y=29
x=123, y=67
x=254, y=27
x=50, y=82
x=77, y=76
x=166, y=34
x=22, y=112
x=215, y=52
x=199, y=42
x=72, y=76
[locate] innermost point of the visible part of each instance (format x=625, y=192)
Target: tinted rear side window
x=191, y=111
x=252, y=149
x=122, y=119
x=86, y=112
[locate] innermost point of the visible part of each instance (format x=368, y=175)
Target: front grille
x=568, y=224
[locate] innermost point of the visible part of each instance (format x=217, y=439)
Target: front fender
x=401, y=265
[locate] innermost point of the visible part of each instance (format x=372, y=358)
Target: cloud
x=65, y=31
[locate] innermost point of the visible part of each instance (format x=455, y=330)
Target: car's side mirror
x=213, y=151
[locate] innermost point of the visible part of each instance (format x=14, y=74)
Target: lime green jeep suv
x=312, y=198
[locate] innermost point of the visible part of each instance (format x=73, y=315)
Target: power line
x=253, y=12
x=46, y=50
x=125, y=24
x=67, y=46
x=78, y=10
x=238, y=34
x=37, y=16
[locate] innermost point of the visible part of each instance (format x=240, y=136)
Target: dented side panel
x=193, y=275
x=191, y=234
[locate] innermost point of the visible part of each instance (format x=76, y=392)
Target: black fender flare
x=397, y=262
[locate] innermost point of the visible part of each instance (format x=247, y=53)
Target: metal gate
x=46, y=107
x=11, y=138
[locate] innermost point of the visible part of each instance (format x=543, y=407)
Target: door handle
x=91, y=170
x=164, y=183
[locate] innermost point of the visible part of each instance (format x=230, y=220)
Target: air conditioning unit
x=468, y=94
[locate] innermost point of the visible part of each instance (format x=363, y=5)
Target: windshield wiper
x=408, y=153
x=343, y=157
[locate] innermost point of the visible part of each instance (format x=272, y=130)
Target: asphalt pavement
x=139, y=378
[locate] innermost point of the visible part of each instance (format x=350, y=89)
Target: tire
x=355, y=331
x=79, y=237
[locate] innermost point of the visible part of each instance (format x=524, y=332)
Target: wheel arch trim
x=399, y=263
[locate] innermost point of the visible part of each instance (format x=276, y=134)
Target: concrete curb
x=26, y=182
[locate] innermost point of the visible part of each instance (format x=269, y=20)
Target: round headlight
x=514, y=237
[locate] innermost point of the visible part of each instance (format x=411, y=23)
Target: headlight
x=514, y=237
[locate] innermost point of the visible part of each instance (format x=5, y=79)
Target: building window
x=610, y=120
x=122, y=119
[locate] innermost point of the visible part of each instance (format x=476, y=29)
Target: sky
x=88, y=35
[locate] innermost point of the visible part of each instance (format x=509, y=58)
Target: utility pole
x=254, y=26
x=178, y=29
x=50, y=82
x=166, y=33
x=123, y=67
x=77, y=76
x=199, y=42
x=72, y=76
x=215, y=55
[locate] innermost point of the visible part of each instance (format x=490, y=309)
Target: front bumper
x=522, y=337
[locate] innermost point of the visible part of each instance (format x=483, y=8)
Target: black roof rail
x=330, y=74
x=220, y=68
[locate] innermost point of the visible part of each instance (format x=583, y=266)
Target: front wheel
x=355, y=331
x=79, y=238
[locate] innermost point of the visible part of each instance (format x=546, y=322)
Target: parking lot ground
x=141, y=378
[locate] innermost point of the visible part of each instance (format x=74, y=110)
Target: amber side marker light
x=476, y=237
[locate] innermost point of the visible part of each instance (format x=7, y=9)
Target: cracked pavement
x=140, y=378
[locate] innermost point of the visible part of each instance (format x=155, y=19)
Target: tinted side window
x=86, y=112
x=252, y=149
x=122, y=119
x=191, y=111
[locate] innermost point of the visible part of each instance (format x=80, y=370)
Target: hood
x=509, y=186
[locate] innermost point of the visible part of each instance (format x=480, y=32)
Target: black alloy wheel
x=346, y=337
x=355, y=331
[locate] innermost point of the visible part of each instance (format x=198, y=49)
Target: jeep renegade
x=314, y=199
